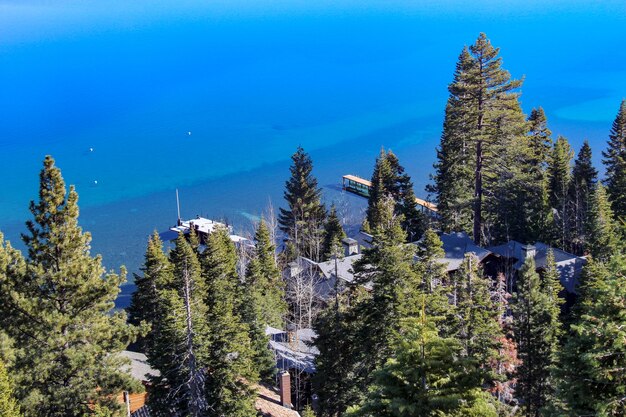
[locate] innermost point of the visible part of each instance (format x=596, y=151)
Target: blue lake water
x=145, y=97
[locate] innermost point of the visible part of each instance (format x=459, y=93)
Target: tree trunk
x=194, y=388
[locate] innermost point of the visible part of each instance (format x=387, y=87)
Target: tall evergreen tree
x=404, y=196
x=540, y=135
x=559, y=177
x=264, y=303
x=536, y=329
x=477, y=322
x=177, y=343
x=601, y=228
x=584, y=178
x=435, y=285
x=265, y=280
x=615, y=163
x=594, y=356
x=453, y=185
x=302, y=220
x=540, y=143
x=333, y=234
x=483, y=118
x=381, y=189
x=156, y=275
x=388, y=268
x=333, y=381
x=368, y=327
x=230, y=365
x=59, y=310
x=390, y=180
x=8, y=404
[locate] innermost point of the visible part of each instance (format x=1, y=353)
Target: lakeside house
x=203, y=228
x=269, y=401
x=515, y=253
x=323, y=277
x=458, y=244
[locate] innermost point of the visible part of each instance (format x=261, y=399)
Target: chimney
x=529, y=251
x=350, y=246
x=294, y=268
x=285, y=389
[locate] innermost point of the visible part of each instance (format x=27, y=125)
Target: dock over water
x=362, y=187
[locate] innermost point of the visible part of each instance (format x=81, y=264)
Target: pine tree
x=540, y=136
x=483, y=118
x=388, y=268
x=266, y=280
x=303, y=218
x=404, y=196
x=602, y=231
x=477, y=322
x=435, y=285
x=390, y=180
x=230, y=366
x=540, y=143
x=264, y=302
x=453, y=186
x=177, y=343
x=8, y=404
x=59, y=308
x=426, y=377
x=157, y=275
x=381, y=189
x=537, y=329
x=333, y=235
x=336, y=340
x=559, y=177
x=615, y=163
x=367, y=329
x=594, y=356
x=584, y=178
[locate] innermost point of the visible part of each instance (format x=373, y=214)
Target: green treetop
x=390, y=180
x=453, y=179
x=559, y=177
x=59, y=311
x=301, y=221
x=615, y=163
x=333, y=234
x=601, y=228
x=584, y=179
x=382, y=181
x=483, y=119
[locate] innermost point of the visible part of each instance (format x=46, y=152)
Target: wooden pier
x=362, y=187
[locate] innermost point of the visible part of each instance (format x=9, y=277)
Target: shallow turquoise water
x=212, y=99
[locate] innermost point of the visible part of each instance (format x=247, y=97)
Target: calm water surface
x=136, y=99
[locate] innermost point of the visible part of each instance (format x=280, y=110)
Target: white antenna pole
x=178, y=206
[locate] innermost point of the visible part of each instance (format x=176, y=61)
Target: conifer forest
x=421, y=328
